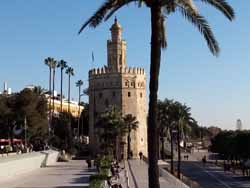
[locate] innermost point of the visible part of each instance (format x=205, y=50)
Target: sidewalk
x=73, y=174
x=140, y=173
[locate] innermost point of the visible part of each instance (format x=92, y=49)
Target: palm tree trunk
x=49, y=100
x=53, y=99
x=153, y=169
x=129, y=139
x=61, y=87
x=179, y=152
x=172, y=151
x=79, y=100
x=69, y=96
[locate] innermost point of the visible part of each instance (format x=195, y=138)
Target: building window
x=129, y=94
x=133, y=84
x=113, y=94
x=100, y=95
x=126, y=83
x=141, y=95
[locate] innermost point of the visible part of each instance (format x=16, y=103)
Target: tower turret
x=116, y=48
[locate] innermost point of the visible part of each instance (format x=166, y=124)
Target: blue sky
x=217, y=89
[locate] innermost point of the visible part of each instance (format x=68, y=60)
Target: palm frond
x=118, y=6
x=222, y=6
x=200, y=22
x=106, y=10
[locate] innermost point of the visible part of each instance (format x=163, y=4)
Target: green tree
x=160, y=11
x=130, y=124
x=110, y=127
x=62, y=65
x=79, y=84
x=69, y=72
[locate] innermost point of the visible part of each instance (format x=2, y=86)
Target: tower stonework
x=121, y=86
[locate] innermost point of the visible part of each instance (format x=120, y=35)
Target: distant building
x=74, y=107
x=118, y=85
x=6, y=91
x=238, y=125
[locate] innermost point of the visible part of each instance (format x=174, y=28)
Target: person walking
x=141, y=155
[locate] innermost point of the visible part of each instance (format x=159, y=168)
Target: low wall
x=171, y=179
x=12, y=166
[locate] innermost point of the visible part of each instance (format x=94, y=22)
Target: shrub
x=97, y=180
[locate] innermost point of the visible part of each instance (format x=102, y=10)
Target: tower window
x=129, y=94
x=126, y=83
x=141, y=95
x=132, y=84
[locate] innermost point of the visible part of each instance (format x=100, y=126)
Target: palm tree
x=62, y=65
x=167, y=122
x=70, y=72
x=79, y=83
x=48, y=62
x=160, y=10
x=130, y=123
x=53, y=67
x=183, y=119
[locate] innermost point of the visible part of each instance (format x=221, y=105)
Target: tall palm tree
x=79, y=84
x=130, y=123
x=69, y=72
x=160, y=11
x=48, y=62
x=53, y=67
x=62, y=65
x=183, y=119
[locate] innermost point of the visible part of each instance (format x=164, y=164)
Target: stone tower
x=118, y=85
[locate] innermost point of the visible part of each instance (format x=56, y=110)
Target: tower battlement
x=126, y=70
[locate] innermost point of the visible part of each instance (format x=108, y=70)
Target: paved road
x=73, y=174
x=211, y=176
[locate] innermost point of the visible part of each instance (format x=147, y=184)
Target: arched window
x=127, y=83
x=133, y=84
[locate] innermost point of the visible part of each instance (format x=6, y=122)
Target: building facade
x=118, y=85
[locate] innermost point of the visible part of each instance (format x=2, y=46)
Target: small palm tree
x=130, y=123
x=160, y=11
x=69, y=72
x=79, y=84
x=62, y=65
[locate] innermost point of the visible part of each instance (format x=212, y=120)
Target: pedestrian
x=141, y=155
x=204, y=160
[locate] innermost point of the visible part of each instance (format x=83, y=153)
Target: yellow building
x=74, y=107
